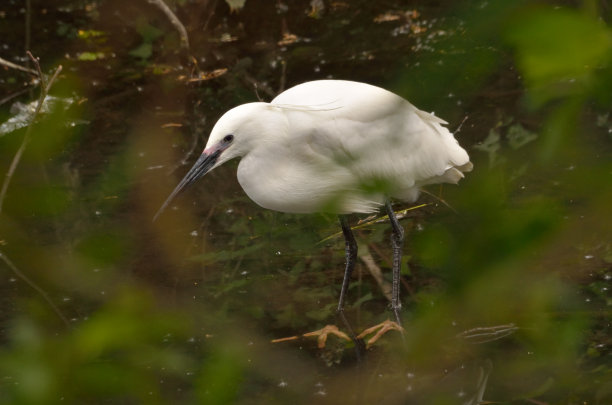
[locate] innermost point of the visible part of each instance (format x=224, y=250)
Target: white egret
x=334, y=146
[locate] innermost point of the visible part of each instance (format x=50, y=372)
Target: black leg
x=351, y=255
x=397, y=241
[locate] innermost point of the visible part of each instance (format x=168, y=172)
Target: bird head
x=232, y=136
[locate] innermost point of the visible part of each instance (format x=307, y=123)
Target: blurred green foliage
x=560, y=52
x=121, y=352
x=181, y=311
x=149, y=34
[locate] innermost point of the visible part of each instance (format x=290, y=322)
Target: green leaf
x=559, y=48
x=144, y=51
x=367, y=297
x=518, y=136
x=85, y=34
x=89, y=56
x=148, y=32
x=221, y=376
x=559, y=43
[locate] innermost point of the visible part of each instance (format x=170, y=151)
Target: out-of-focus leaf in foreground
x=558, y=51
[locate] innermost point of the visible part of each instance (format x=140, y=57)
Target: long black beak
x=204, y=163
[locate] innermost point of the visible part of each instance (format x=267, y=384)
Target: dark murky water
x=506, y=280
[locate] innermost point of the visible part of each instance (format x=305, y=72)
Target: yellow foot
x=322, y=334
x=382, y=328
x=285, y=339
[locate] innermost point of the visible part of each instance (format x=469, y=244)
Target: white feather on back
x=328, y=144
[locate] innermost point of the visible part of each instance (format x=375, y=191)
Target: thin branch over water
x=34, y=286
x=178, y=25
x=45, y=86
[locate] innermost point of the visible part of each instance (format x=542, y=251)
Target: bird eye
x=228, y=138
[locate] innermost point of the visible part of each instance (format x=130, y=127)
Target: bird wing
x=378, y=134
x=355, y=144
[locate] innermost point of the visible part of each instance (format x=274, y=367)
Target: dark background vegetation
x=101, y=305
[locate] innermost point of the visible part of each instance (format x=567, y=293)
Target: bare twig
x=12, y=96
x=213, y=7
x=376, y=272
x=484, y=334
x=461, y=125
x=257, y=93
x=18, y=67
x=178, y=25
x=194, y=145
x=440, y=199
x=283, y=77
x=28, y=27
x=34, y=286
x=247, y=78
x=12, y=168
x=481, y=385
x=376, y=220
x=45, y=86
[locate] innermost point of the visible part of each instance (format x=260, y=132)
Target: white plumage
x=338, y=146
x=335, y=146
